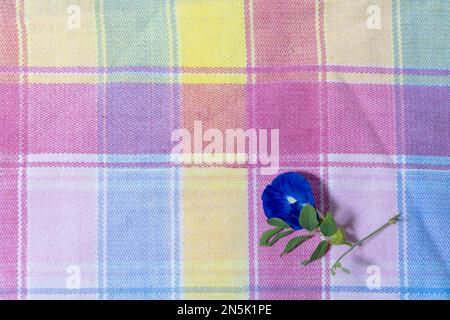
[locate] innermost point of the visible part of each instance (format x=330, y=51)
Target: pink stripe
x=8, y=30
x=24, y=149
x=63, y=118
x=8, y=234
x=370, y=123
x=9, y=146
x=283, y=277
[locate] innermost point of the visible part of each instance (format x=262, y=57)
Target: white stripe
x=158, y=158
x=19, y=233
x=405, y=226
x=94, y=158
x=255, y=236
x=321, y=156
x=322, y=209
x=63, y=157
x=180, y=233
x=104, y=230
x=172, y=231
x=363, y=158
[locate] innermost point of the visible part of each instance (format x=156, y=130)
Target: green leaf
x=338, y=237
x=294, y=243
x=279, y=236
x=308, y=218
x=345, y=270
x=328, y=226
x=277, y=222
x=320, y=251
x=266, y=236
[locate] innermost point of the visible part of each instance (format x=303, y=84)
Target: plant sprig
x=320, y=225
x=337, y=264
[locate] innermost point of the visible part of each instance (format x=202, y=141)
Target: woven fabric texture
x=93, y=206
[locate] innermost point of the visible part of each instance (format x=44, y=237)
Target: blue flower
x=285, y=197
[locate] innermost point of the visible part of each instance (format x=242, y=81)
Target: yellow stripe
x=215, y=232
x=50, y=40
x=351, y=42
x=213, y=78
x=102, y=34
x=211, y=33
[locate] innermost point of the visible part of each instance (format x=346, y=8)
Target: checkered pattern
x=86, y=114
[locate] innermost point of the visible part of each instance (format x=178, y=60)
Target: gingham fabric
x=93, y=207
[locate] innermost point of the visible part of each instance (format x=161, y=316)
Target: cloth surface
x=92, y=205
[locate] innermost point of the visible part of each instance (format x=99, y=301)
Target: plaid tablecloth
x=93, y=207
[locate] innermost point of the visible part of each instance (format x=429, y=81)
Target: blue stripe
x=426, y=33
x=176, y=107
x=428, y=205
x=443, y=292
x=139, y=158
x=138, y=232
x=431, y=160
x=101, y=133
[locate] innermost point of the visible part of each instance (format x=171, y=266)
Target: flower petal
x=275, y=203
x=285, y=197
x=294, y=185
x=292, y=218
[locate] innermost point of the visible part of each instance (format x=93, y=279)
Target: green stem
x=320, y=214
x=391, y=221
